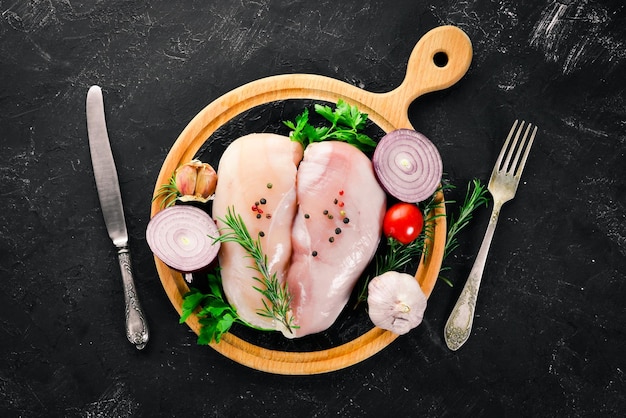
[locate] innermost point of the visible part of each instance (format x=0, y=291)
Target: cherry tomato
x=403, y=222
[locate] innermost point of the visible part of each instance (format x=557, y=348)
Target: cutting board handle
x=439, y=59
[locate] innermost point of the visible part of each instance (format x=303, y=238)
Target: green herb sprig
x=167, y=193
x=216, y=315
x=475, y=197
x=345, y=123
x=279, y=307
x=398, y=255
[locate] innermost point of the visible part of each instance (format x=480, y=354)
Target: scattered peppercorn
x=261, y=234
x=331, y=239
x=314, y=253
x=263, y=201
x=335, y=201
x=268, y=216
x=256, y=203
x=269, y=185
x=307, y=216
x=330, y=216
x=337, y=231
x=258, y=216
x=325, y=212
x=346, y=220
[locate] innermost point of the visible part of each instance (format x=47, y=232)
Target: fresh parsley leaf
x=327, y=113
x=191, y=301
x=215, y=314
x=345, y=123
x=365, y=140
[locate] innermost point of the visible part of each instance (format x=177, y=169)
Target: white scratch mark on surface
x=573, y=35
x=114, y=402
x=30, y=16
x=548, y=29
x=573, y=123
x=238, y=41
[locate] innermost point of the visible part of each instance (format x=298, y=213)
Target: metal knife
x=113, y=212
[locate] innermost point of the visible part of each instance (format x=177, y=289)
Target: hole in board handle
x=440, y=59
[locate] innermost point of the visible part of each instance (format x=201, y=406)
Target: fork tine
x=512, y=168
x=520, y=168
x=498, y=164
x=511, y=149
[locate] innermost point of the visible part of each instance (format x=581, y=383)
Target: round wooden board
x=440, y=58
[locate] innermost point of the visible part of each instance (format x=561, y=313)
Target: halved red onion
x=408, y=165
x=182, y=237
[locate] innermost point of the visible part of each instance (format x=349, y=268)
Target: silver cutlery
x=111, y=202
x=503, y=184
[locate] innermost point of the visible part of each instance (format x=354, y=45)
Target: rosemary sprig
x=475, y=197
x=279, y=307
x=167, y=193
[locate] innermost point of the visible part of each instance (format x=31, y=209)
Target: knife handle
x=136, y=324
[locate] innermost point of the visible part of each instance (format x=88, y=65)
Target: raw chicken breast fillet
x=335, y=233
x=257, y=179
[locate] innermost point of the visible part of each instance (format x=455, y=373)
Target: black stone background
x=549, y=336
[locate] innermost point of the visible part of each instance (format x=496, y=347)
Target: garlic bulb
x=195, y=181
x=396, y=302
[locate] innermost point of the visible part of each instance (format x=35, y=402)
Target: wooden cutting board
x=440, y=58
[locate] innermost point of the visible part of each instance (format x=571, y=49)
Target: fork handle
x=459, y=324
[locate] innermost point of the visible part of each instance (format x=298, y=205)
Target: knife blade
x=107, y=185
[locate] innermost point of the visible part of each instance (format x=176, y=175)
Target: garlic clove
x=206, y=181
x=186, y=176
x=396, y=302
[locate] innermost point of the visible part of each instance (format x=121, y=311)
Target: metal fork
x=502, y=186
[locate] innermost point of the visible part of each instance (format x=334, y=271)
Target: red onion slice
x=408, y=165
x=180, y=236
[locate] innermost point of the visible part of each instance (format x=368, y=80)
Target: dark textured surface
x=550, y=331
